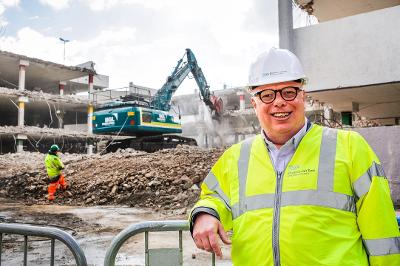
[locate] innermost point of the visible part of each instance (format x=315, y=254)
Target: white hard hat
x=276, y=65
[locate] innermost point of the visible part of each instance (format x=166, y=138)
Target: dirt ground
x=106, y=194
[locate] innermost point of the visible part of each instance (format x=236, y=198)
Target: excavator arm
x=213, y=102
x=162, y=99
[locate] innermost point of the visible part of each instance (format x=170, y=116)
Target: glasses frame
x=258, y=94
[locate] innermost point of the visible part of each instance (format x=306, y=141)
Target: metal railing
x=117, y=94
x=45, y=232
x=153, y=257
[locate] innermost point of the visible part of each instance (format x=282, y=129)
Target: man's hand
x=205, y=233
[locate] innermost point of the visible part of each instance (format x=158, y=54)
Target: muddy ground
x=106, y=194
x=93, y=228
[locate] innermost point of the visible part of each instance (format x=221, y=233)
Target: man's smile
x=281, y=115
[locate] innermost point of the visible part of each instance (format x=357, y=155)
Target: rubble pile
x=39, y=131
x=366, y=123
x=167, y=179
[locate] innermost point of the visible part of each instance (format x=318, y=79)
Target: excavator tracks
x=150, y=143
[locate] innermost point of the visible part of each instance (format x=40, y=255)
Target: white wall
x=387, y=148
x=352, y=51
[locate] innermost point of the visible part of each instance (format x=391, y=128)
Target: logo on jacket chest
x=298, y=170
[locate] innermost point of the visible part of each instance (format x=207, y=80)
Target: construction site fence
x=159, y=256
x=45, y=232
x=153, y=257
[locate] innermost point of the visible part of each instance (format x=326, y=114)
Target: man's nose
x=279, y=101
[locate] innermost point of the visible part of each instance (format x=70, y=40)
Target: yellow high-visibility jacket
x=53, y=165
x=331, y=205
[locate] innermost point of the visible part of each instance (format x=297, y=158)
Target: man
x=54, y=166
x=298, y=193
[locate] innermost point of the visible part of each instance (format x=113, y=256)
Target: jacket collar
x=295, y=140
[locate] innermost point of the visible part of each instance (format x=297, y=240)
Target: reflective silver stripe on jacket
x=327, y=199
x=252, y=203
x=323, y=196
x=382, y=246
x=326, y=165
x=362, y=184
x=213, y=185
x=296, y=198
x=243, y=166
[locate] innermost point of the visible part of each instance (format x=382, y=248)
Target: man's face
x=280, y=117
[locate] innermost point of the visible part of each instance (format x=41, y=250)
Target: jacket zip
x=276, y=222
x=277, y=207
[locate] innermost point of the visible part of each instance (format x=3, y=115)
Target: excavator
x=145, y=121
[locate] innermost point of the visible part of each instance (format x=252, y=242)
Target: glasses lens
x=267, y=96
x=289, y=93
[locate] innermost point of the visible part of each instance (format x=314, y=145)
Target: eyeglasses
x=268, y=95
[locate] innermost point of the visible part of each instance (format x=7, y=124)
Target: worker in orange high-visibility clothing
x=298, y=193
x=54, y=167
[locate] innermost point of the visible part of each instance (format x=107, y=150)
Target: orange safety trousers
x=53, y=186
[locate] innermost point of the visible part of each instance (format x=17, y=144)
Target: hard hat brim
x=250, y=87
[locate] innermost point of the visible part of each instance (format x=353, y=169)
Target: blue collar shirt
x=281, y=157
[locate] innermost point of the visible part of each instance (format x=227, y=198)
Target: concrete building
x=352, y=57
x=352, y=60
x=39, y=104
x=237, y=122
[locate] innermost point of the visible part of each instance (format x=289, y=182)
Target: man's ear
x=253, y=102
x=304, y=96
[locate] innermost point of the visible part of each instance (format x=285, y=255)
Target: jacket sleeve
x=215, y=190
x=58, y=163
x=376, y=217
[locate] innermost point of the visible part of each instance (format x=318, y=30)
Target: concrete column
x=328, y=113
x=210, y=141
x=61, y=87
x=241, y=100
x=285, y=19
x=90, y=118
x=20, y=145
x=91, y=98
x=60, y=116
x=21, y=82
x=20, y=142
x=90, y=128
x=21, y=110
x=90, y=114
x=90, y=149
x=201, y=125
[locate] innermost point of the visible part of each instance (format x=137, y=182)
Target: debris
x=164, y=180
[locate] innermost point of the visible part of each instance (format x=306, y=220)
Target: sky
x=140, y=41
